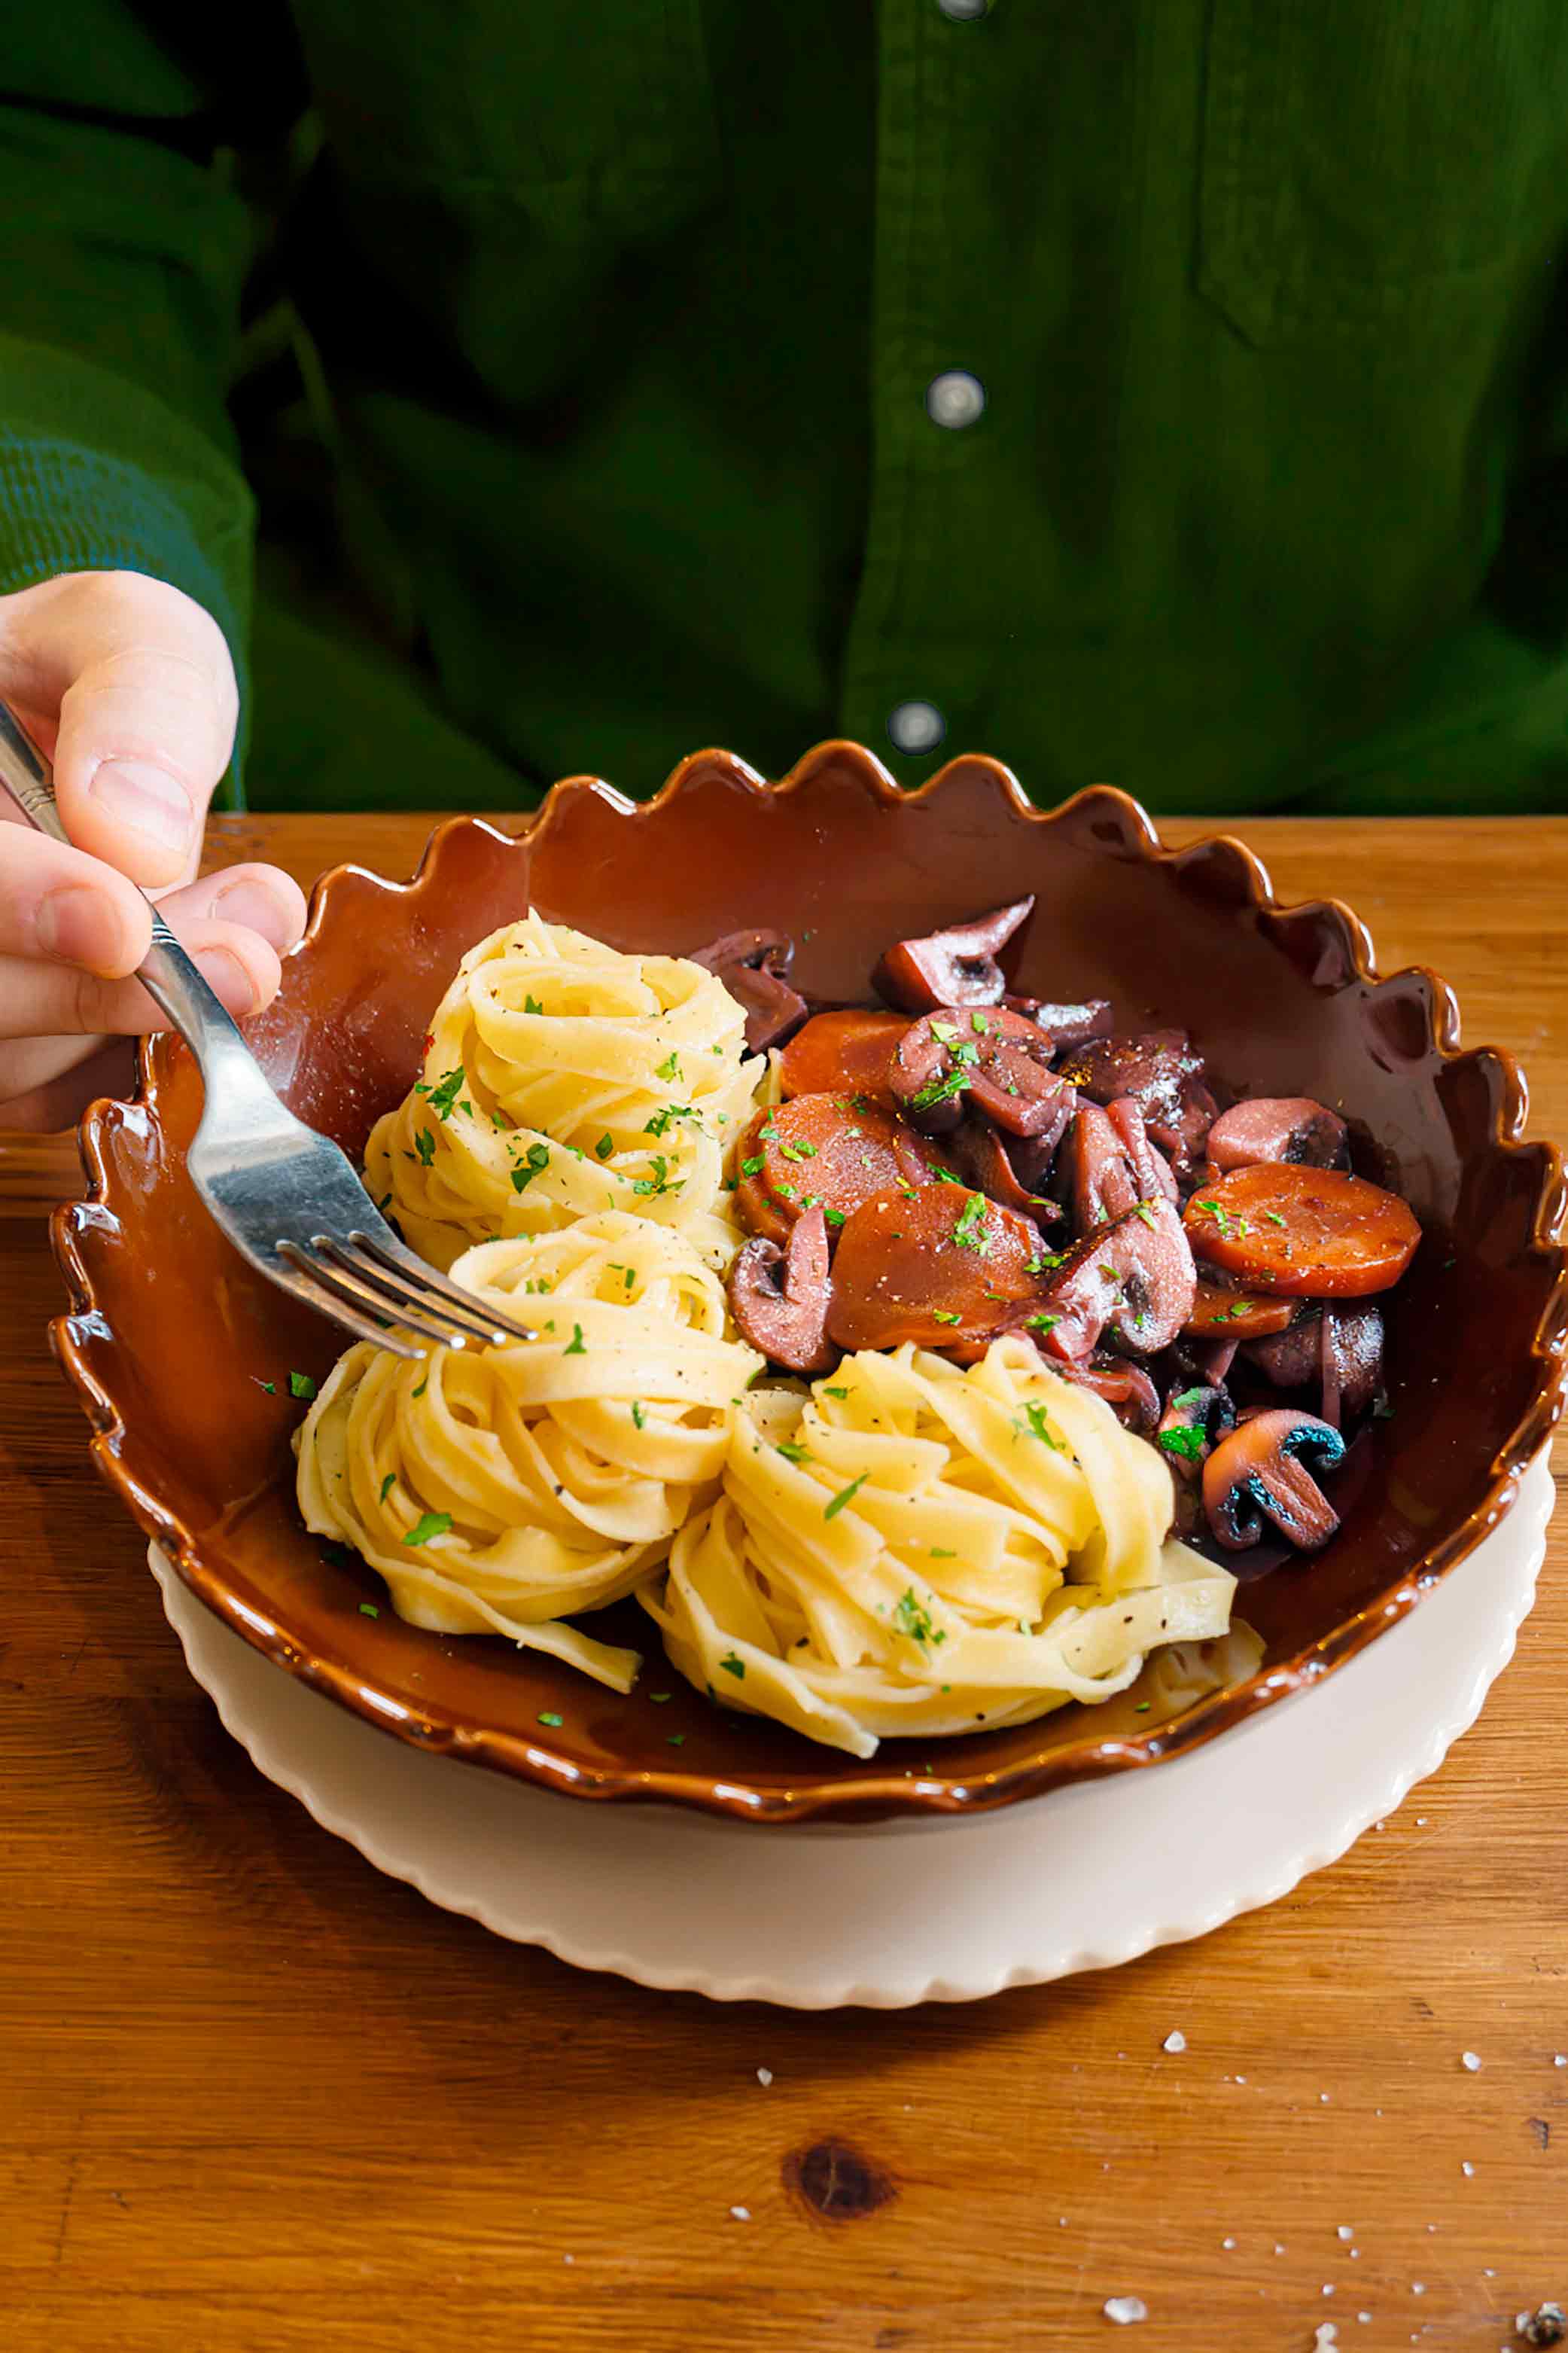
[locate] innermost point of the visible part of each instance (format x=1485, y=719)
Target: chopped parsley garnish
x=661, y=1119
x=1145, y=1210
x=536, y=1160
x=941, y=1091
x=1184, y=1440
x=791, y=1449
x=790, y=1192
x=734, y=1666
x=424, y=1146
x=605, y=1146
x=797, y=1151
x=433, y=1523
x=659, y=1181
x=270, y=1386
x=640, y=1419
x=946, y=1315
x=912, y=1618
x=676, y=1740
x=754, y=1166
x=658, y=1698
x=1041, y=1323
x=422, y=1387
x=387, y=1486
x=547, y=1715
x=300, y=1384
x=845, y=1495
x=670, y=1066
x=970, y=1232
x=1274, y=1217
x=1035, y=1425
x=942, y=1552
x=836, y=1393
x=532, y=1005
x=979, y=1024
x=443, y=1096
x=835, y=1217
x=368, y=1609
x=1188, y=1397
x=946, y=1177
x=576, y=1346
x=1044, y=1264
x=945, y=1031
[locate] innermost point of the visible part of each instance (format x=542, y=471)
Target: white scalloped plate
x=1086, y=1878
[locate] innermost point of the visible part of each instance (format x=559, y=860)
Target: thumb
x=144, y=687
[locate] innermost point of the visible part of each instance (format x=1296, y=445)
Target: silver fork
x=287, y=1198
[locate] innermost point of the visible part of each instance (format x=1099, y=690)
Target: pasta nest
x=916, y=1548
x=498, y=1489
x=562, y=1077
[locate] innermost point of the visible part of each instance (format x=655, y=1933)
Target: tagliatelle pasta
x=915, y=1548
x=499, y=1489
x=562, y=1078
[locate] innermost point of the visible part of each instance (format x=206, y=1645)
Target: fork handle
x=170, y=978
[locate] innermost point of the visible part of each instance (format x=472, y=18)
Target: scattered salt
x=1467, y=2059
x=568, y=2259
x=1125, y=2309
x=1560, y=2059
x=740, y=2213
x=1241, y=2079
x=1227, y=2243
x=1174, y=2041
x=1417, y=2287
x=1346, y=2232
x=1467, y=2169
x=1277, y=2248
x=1328, y=2287
x=1325, y=2333
x=764, y=2076
x=1325, y=2097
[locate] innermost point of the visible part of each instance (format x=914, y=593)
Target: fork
x=287, y=1198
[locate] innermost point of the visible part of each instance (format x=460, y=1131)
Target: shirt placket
x=914, y=663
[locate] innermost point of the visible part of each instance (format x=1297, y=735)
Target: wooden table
x=256, y=2099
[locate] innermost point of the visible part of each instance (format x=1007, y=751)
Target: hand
x=127, y=684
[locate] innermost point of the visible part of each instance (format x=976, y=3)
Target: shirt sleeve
x=126, y=251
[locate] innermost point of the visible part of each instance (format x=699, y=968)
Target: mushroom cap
x=1259, y=1472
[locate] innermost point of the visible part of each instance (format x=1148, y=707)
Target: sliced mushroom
x=779, y=1297
x=1291, y=1359
x=957, y=966
x=1133, y=1280
x=1112, y=1164
x=1192, y=1425
x=1277, y=1127
x=1070, y=1025
x=1351, y=1355
x=1162, y=1076
x=995, y=1061
x=1259, y=1473
x=751, y=965
x=981, y=1156
x=1126, y=1389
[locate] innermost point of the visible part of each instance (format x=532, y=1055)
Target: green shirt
x=579, y=357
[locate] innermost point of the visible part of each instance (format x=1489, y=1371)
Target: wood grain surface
x=256, y=2099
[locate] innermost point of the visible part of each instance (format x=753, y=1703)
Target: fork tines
x=362, y=1280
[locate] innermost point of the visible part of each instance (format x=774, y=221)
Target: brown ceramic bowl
x=170, y=1337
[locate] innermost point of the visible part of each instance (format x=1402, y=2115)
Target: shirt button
x=963, y=12
x=955, y=399
x=916, y=726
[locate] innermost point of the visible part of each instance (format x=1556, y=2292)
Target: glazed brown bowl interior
x=182, y=1355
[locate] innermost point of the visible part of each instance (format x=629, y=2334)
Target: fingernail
x=75, y=925
x=258, y=909
x=151, y=803
x=225, y=974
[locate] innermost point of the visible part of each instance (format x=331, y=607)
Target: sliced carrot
x=946, y=1270
x=822, y=1148
x=849, y=1052
x=1234, y=1315
x=1301, y=1232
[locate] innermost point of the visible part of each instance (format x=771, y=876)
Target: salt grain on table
x=1467, y=2169
x=1468, y=2059
x=764, y=2076
x=740, y=2213
x=1324, y=2334
x=1345, y=2231
x=1174, y=2041
x=1125, y=2309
